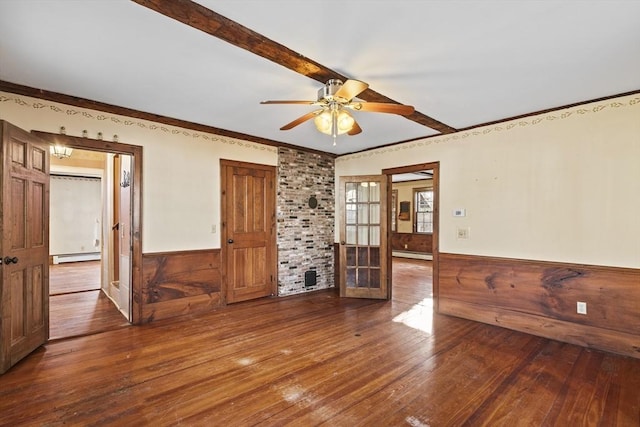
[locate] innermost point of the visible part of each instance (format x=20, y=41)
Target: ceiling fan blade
x=350, y=89
x=301, y=119
x=288, y=102
x=356, y=129
x=382, y=107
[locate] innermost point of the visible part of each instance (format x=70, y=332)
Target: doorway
x=90, y=219
x=25, y=240
x=415, y=234
x=131, y=181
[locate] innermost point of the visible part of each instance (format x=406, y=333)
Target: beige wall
x=405, y=194
x=562, y=186
x=181, y=171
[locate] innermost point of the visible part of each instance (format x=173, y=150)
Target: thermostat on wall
x=460, y=212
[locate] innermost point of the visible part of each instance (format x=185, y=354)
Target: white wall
x=562, y=186
x=181, y=170
x=75, y=215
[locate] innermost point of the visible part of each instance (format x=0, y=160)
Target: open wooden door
x=248, y=230
x=24, y=245
x=363, y=237
x=124, y=247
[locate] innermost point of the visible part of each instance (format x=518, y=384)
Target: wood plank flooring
x=82, y=313
x=318, y=359
x=76, y=305
x=74, y=277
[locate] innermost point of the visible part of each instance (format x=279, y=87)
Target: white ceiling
x=463, y=63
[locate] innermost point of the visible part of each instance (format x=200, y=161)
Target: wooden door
x=24, y=247
x=248, y=230
x=123, y=250
x=116, y=216
x=363, y=237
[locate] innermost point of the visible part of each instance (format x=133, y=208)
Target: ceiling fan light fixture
x=334, y=99
x=324, y=122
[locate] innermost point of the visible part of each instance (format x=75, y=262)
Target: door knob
x=8, y=260
x=230, y=241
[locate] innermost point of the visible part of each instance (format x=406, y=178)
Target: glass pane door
x=363, y=247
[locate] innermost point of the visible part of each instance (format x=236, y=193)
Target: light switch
x=460, y=212
x=463, y=233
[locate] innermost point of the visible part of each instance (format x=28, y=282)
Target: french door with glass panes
x=363, y=237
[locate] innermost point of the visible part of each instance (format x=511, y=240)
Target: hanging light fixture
x=334, y=121
x=61, y=152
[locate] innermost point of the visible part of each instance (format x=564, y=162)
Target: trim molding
x=531, y=119
x=182, y=127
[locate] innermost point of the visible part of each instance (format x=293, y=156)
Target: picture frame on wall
x=405, y=211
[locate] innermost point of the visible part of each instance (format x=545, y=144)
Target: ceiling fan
x=334, y=100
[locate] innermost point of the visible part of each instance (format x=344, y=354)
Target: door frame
x=435, y=166
x=224, y=235
x=136, y=203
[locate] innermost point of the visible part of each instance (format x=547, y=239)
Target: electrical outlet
x=463, y=233
x=581, y=307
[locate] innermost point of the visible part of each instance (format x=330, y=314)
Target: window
x=423, y=218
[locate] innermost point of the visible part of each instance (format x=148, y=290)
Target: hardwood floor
x=82, y=313
x=76, y=305
x=74, y=277
x=319, y=359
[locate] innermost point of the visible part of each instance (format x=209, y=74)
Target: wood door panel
x=37, y=288
x=17, y=291
x=248, y=196
x=38, y=160
x=18, y=153
x=24, y=295
x=18, y=213
x=37, y=226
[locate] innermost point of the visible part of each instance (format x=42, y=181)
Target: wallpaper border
x=39, y=104
x=500, y=127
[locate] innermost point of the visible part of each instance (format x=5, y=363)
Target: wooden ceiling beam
x=212, y=23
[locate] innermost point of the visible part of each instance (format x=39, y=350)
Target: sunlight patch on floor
x=245, y=361
x=415, y=422
x=420, y=316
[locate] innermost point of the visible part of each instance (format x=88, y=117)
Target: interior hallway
x=77, y=306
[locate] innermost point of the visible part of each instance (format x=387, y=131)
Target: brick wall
x=305, y=235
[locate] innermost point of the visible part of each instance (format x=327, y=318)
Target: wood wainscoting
x=179, y=283
x=540, y=298
x=413, y=242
